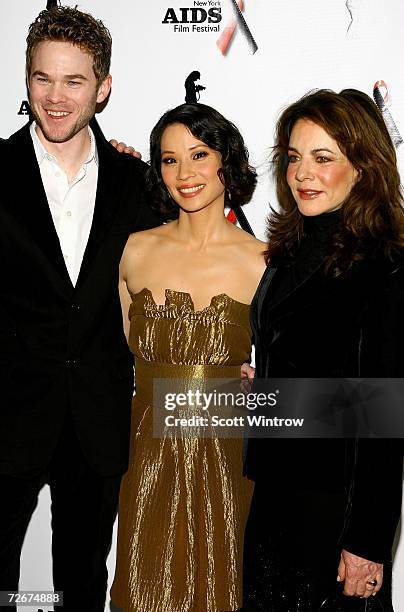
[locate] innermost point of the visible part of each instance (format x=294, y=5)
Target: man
x=65, y=369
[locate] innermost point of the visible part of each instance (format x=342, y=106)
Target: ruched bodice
x=217, y=335
x=184, y=502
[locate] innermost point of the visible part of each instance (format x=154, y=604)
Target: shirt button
x=66, y=256
x=57, y=174
x=69, y=213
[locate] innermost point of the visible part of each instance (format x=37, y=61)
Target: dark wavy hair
x=68, y=24
x=372, y=214
x=209, y=126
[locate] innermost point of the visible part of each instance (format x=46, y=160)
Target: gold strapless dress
x=184, y=502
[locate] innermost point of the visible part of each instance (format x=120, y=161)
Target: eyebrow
x=313, y=150
x=69, y=77
x=190, y=148
x=75, y=76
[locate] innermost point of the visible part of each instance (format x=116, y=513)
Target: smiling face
x=189, y=169
x=319, y=175
x=63, y=90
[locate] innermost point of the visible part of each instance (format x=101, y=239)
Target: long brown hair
x=372, y=214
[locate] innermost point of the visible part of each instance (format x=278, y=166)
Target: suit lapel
x=259, y=297
x=28, y=202
x=285, y=296
x=107, y=202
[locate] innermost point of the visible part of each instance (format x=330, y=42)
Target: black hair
x=209, y=126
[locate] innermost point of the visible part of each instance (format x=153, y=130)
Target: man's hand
x=122, y=147
x=247, y=376
x=247, y=371
x=357, y=574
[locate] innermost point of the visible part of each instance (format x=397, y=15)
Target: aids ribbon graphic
x=382, y=98
x=237, y=214
x=226, y=36
x=231, y=216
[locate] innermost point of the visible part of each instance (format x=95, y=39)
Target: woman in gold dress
x=187, y=286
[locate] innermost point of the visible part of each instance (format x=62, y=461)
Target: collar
x=41, y=152
x=328, y=221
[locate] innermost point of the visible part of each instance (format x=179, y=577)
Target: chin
x=57, y=138
x=190, y=211
x=314, y=211
x=309, y=212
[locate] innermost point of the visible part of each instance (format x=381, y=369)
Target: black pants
x=292, y=552
x=84, y=506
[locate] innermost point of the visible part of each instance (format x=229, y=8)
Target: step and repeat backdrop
x=247, y=58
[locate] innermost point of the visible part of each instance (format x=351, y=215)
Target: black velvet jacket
x=306, y=324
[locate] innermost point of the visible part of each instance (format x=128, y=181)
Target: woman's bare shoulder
x=252, y=255
x=253, y=244
x=259, y=245
x=147, y=239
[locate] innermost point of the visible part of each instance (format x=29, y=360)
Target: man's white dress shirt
x=71, y=204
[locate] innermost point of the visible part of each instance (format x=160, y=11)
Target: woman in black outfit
x=331, y=304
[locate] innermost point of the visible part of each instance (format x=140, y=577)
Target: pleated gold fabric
x=184, y=502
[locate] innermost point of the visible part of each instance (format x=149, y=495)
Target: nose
x=304, y=170
x=185, y=170
x=55, y=93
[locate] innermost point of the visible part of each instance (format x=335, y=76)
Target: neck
x=70, y=154
x=326, y=220
x=204, y=226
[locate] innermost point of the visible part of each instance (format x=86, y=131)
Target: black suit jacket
x=330, y=328
x=62, y=348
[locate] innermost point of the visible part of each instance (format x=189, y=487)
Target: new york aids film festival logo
x=202, y=16
x=207, y=16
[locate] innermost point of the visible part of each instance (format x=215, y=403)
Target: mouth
x=191, y=190
x=308, y=194
x=57, y=114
